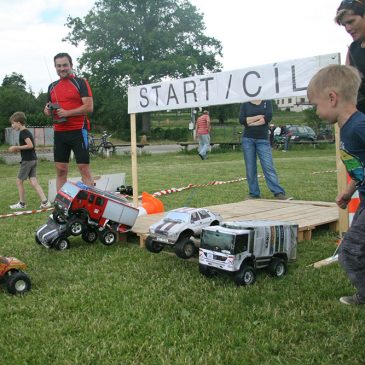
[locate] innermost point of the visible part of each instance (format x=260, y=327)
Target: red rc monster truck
x=91, y=212
x=16, y=280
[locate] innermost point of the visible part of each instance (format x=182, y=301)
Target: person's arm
x=28, y=146
x=268, y=111
x=256, y=120
x=208, y=123
x=86, y=107
x=344, y=197
x=243, y=115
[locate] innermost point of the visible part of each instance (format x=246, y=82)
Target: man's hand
x=46, y=110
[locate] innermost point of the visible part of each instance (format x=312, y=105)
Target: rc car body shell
x=101, y=208
x=182, y=222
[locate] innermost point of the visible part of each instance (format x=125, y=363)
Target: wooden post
x=134, y=160
x=343, y=222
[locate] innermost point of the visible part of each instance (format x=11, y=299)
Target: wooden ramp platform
x=307, y=214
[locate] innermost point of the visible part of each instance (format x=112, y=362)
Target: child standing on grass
x=28, y=164
x=333, y=91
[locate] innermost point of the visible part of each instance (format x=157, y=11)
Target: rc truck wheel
x=245, y=276
x=277, y=267
x=153, y=246
x=18, y=283
x=108, y=237
x=89, y=235
x=61, y=244
x=76, y=227
x=37, y=239
x=206, y=270
x=185, y=248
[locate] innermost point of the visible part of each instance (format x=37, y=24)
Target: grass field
x=94, y=304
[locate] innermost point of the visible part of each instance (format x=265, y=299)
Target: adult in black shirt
x=351, y=14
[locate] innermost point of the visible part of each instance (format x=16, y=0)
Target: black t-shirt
x=357, y=59
x=27, y=155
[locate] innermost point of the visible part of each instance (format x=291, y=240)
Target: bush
x=175, y=134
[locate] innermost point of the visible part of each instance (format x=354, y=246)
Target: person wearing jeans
x=202, y=134
x=255, y=116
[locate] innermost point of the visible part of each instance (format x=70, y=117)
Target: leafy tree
x=14, y=80
x=14, y=97
x=134, y=42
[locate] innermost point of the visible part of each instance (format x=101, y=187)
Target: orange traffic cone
x=150, y=204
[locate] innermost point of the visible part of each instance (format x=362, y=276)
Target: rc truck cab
x=12, y=274
x=88, y=211
x=242, y=247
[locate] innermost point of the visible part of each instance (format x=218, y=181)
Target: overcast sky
x=252, y=33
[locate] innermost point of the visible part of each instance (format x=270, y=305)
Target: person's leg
x=61, y=153
x=265, y=155
x=85, y=172
x=352, y=253
x=249, y=155
x=203, y=144
x=34, y=182
x=21, y=191
x=61, y=174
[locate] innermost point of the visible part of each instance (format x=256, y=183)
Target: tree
x=134, y=42
x=14, y=80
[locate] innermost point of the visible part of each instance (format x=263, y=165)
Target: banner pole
x=134, y=160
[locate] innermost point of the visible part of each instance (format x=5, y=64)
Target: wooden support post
x=134, y=160
x=341, y=185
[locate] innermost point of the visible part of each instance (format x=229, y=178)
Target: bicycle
x=104, y=144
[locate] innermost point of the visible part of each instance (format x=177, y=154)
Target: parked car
x=301, y=133
x=178, y=228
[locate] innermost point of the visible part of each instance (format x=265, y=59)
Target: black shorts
x=76, y=141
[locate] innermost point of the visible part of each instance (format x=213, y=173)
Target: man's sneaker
x=45, y=205
x=18, y=205
x=251, y=197
x=351, y=300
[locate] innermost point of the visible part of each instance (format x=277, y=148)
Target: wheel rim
x=76, y=228
x=109, y=238
x=280, y=269
x=92, y=236
x=189, y=250
x=62, y=245
x=248, y=277
x=20, y=285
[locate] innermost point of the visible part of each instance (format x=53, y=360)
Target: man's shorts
x=27, y=170
x=76, y=141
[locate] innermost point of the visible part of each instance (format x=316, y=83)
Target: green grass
x=94, y=304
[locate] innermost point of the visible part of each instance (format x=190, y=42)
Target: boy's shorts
x=27, y=170
x=76, y=141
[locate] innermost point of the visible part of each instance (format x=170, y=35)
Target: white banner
x=271, y=81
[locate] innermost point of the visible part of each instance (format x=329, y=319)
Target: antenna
x=53, y=106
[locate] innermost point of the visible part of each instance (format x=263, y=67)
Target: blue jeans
x=204, y=145
x=260, y=147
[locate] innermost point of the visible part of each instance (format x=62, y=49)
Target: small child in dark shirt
x=333, y=91
x=28, y=164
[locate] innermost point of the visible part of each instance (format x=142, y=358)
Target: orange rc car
x=16, y=280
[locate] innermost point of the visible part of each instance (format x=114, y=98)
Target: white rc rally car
x=178, y=228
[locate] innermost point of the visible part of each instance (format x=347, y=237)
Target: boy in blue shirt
x=28, y=164
x=333, y=90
